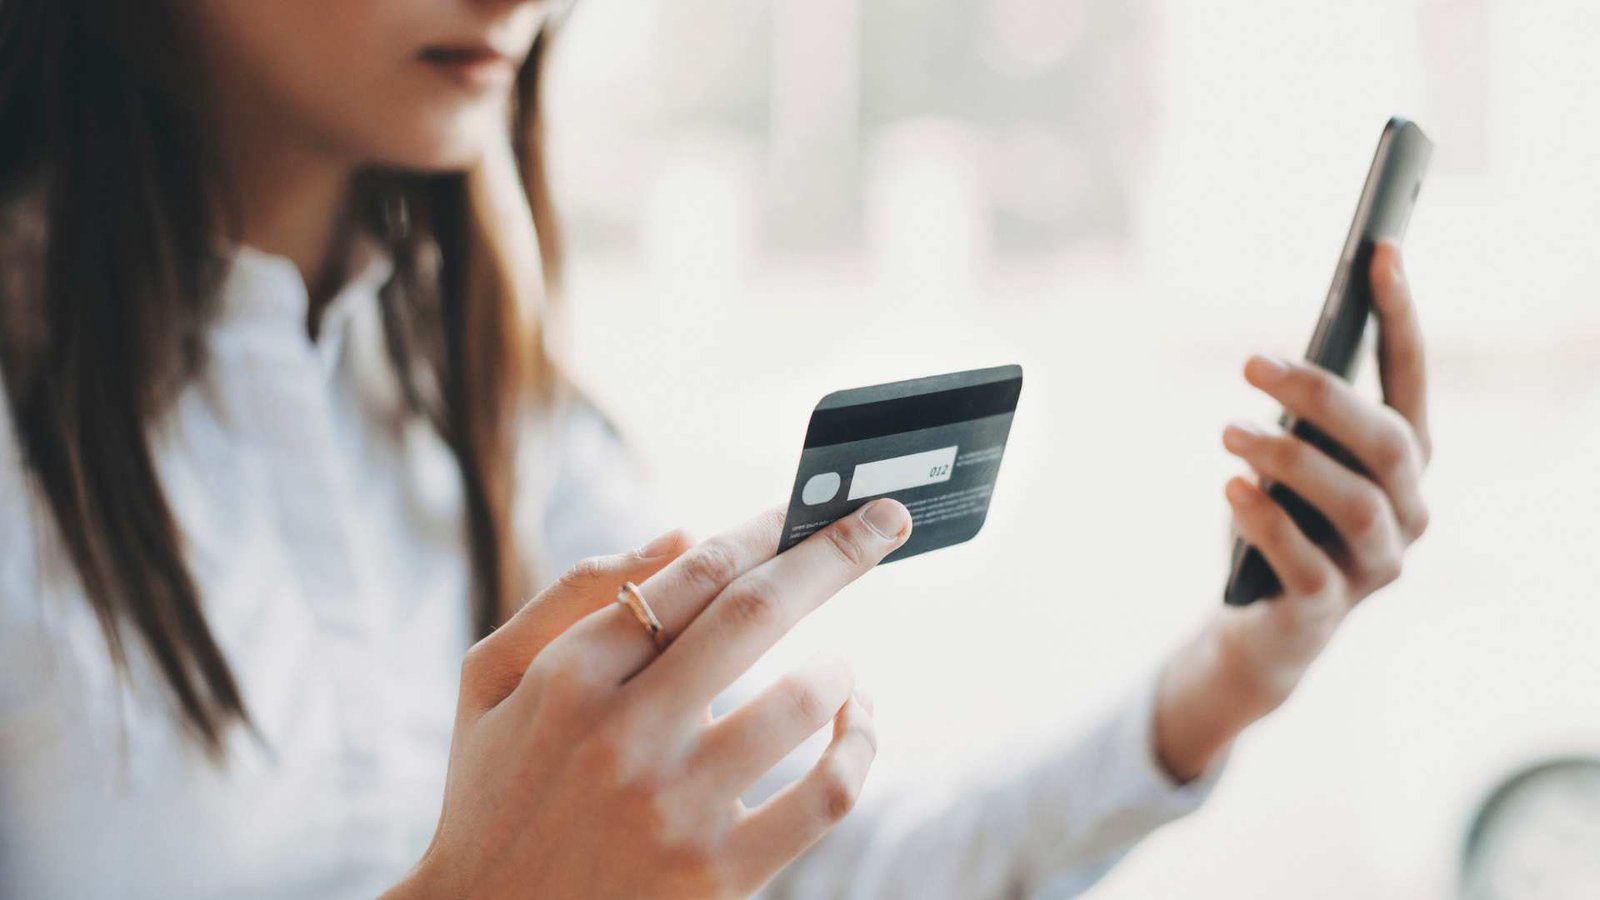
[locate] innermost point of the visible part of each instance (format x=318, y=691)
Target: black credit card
x=934, y=444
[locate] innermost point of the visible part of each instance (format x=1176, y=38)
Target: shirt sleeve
x=1057, y=819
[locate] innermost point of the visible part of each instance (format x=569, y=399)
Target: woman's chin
x=437, y=159
x=445, y=144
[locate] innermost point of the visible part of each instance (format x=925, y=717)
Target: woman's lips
x=473, y=66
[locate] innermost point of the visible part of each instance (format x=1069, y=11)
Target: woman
x=282, y=442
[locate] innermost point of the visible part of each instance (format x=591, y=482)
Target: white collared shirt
x=325, y=531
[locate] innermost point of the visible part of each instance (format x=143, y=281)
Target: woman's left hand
x=1248, y=660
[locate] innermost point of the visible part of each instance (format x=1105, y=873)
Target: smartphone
x=1387, y=199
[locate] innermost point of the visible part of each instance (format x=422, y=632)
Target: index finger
x=613, y=642
x=1402, y=364
x=496, y=664
x=759, y=607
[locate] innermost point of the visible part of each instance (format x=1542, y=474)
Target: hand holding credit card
x=934, y=444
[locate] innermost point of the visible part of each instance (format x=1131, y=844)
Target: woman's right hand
x=585, y=762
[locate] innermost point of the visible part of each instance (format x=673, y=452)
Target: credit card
x=934, y=444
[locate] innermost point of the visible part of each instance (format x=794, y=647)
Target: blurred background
x=768, y=201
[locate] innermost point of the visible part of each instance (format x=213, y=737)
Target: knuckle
x=696, y=862
x=599, y=760
x=1387, y=568
x=661, y=814
x=1397, y=567
x=771, y=520
x=564, y=675
x=1287, y=453
x=700, y=861
x=837, y=792
x=1420, y=521
x=475, y=664
x=848, y=539
x=753, y=604
x=1316, y=390
x=1313, y=581
x=1391, y=451
x=584, y=573
x=803, y=702
x=603, y=759
x=1364, y=512
x=488, y=674
x=713, y=563
x=544, y=672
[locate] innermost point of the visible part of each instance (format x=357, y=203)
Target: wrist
x=1257, y=674
x=1208, y=694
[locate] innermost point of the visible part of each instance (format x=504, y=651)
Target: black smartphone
x=1387, y=199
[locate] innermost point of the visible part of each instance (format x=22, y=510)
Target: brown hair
x=107, y=282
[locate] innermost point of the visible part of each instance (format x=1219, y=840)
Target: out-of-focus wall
x=769, y=201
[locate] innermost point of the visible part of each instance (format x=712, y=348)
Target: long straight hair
x=109, y=210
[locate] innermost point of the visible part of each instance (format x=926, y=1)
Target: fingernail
x=662, y=545
x=888, y=518
x=1242, y=435
x=1266, y=369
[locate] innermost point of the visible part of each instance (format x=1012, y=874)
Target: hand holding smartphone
x=1387, y=199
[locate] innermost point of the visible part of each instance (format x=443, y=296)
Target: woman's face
x=414, y=84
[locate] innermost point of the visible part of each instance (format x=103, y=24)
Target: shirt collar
x=265, y=291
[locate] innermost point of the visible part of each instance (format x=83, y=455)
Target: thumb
x=496, y=664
